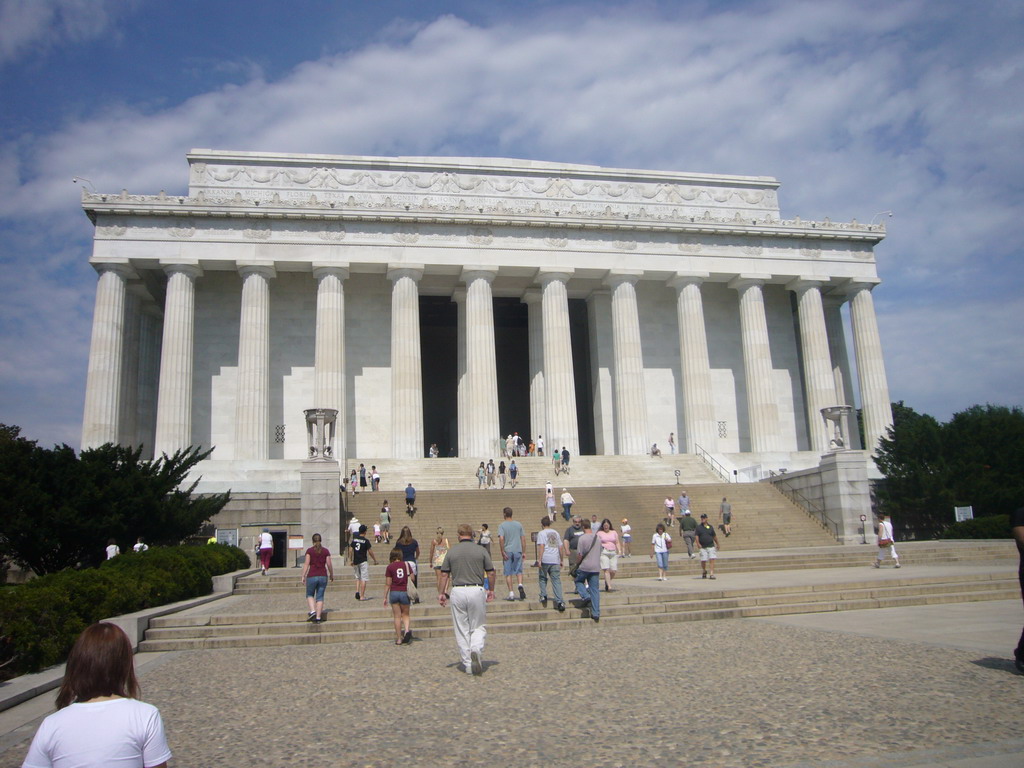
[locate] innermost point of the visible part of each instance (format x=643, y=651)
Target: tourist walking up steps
x=726, y=512
x=396, y=594
x=361, y=550
x=886, y=542
x=266, y=550
x=513, y=473
x=588, y=576
x=708, y=541
x=315, y=572
x=465, y=568
x=661, y=542
x=567, y=502
x=689, y=528
x=549, y=545
x=512, y=541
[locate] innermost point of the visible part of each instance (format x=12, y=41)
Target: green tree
x=972, y=460
x=59, y=509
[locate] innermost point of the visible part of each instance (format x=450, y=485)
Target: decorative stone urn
x=320, y=425
x=835, y=417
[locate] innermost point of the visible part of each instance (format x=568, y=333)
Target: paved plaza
x=919, y=686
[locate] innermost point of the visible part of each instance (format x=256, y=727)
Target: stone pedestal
x=846, y=493
x=321, y=504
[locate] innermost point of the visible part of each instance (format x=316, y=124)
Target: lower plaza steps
x=270, y=611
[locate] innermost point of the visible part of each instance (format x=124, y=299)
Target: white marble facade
x=706, y=314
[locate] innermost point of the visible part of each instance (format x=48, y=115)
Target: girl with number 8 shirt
x=396, y=583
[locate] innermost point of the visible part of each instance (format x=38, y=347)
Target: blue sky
x=857, y=107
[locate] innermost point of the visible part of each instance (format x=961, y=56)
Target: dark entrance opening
x=280, y=557
x=439, y=353
x=512, y=354
x=579, y=335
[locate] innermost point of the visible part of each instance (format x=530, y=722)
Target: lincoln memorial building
x=457, y=300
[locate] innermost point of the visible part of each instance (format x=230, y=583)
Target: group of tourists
x=357, y=479
x=490, y=476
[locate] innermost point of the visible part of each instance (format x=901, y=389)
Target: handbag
x=411, y=590
x=885, y=542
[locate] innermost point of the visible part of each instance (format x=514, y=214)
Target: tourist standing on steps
x=362, y=477
x=670, y=511
x=1017, y=528
x=315, y=572
x=682, y=503
x=689, y=528
x=660, y=543
x=374, y=478
x=465, y=568
x=361, y=549
x=540, y=445
x=385, y=521
x=410, y=552
x=627, y=537
x=491, y=471
x=396, y=594
x=99, y=719
x=410, y=500
x=588, y=554
x=886, y=542
x=513, y=473
x=438, y=549
x=481, y=476
x=708, y=541
x=671, y=442
x=266, y=550
x=611, y=548
x=512, y=541
x=726, y=512
x=567, y=502
x=549, y=547
x=352, y=482
x=501, y=474
x=549, y=500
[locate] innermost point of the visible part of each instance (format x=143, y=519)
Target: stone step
x=359, y=624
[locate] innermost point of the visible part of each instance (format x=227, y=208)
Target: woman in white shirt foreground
x=99, y=720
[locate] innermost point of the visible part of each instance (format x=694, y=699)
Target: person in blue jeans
x=588, y=553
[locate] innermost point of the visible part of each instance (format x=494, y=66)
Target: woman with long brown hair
x=410, y=553
x=315, y=572
x=99, y=719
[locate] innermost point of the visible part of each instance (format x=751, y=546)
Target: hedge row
x=40, y=620
x=988, y=527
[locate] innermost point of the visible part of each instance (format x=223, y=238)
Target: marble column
x=535, y=320
x=129, y=401
x=842, y=376
x=462, y=383
x=150, y=331
x=630, y=395
x=329, y=348
x=819, y=382
x=762, y=407
x=174, y=393
x=602, y=369
x=481, y=406
x=406, y=371
x=699, y=425
x=874, y=388
x=252, y=393
x=103, y=381
x=559, y=384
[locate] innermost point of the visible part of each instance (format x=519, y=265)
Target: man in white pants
x=465, y=567
x=886, y=542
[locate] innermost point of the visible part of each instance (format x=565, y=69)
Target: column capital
x=471, y=273
x=121, y=267
x=739, y=282
x=598, y=293
x=800, y=284
x=562, y=275
x=459, y=294
x=683, y=279
x=616, y=277
x=398, y=271
x=264, y=268
x=855, y=284
x=531, y=296
x=322, y=269
x=187, y=267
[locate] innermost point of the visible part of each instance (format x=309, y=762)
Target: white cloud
x=29, y=26
x=856, y=108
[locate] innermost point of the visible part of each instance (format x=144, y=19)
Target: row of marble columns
x=126, y=346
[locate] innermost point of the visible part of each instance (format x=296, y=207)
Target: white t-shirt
x=120, y=733
x=626, y=529
x=552, y=545
x=140, y=547
x=113, y=550
x=266, y=541
x=660, y=542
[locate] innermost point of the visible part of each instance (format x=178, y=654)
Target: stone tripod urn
x=320, y=425
x=836, y=423
x=320, y=498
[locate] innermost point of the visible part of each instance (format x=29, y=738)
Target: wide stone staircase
x=270, y=611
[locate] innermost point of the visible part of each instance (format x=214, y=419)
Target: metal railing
x=712, y=463
x=813, y=508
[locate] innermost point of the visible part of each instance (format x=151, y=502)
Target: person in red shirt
x=396, y=593
x=315, y=572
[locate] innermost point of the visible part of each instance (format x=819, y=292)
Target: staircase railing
x=813, y=508
x=712, y=463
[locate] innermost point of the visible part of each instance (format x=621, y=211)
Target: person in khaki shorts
x=708, y=541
